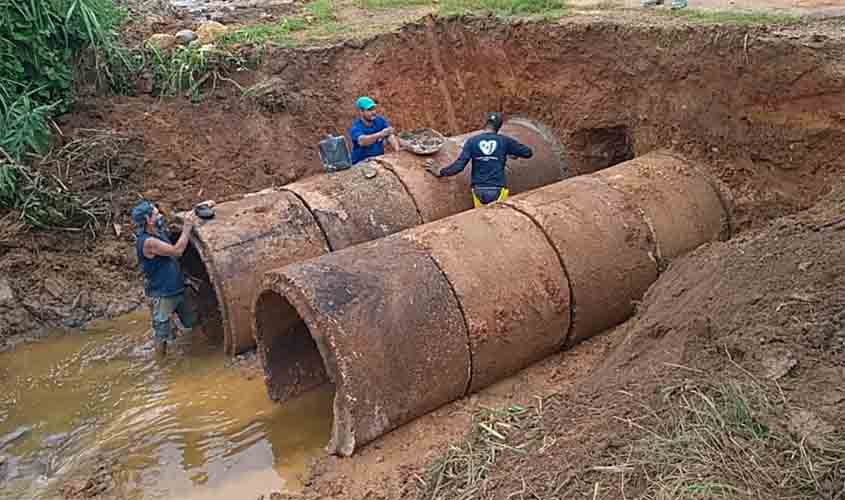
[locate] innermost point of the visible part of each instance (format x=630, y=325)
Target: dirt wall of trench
x=764, y=108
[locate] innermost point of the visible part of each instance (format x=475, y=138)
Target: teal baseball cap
x=364, y=103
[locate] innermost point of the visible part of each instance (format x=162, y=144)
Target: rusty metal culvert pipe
x=422, y=317
x=329, y=212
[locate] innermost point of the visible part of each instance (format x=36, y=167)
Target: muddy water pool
x=184, y=427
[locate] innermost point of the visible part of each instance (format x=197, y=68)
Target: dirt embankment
x=762, y=107
x=727, y=383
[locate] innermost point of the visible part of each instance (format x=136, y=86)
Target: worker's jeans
x=162, y=308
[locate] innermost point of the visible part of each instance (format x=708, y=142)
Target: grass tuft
x=713, y=442
x=319, y=16
x=505, y=8
x=463, y=470
x=730, y=17
x=392, y=4
x=41, y=197
x=259, y=34
x=322, y=11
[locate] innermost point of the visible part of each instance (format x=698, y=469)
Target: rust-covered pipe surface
x=329, y=212
x=605, y=244
x=415, y=320
x=510, y=284
x=411, y=357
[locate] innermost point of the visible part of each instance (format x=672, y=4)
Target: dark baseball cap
x=494, y=120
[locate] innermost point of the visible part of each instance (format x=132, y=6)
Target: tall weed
x=39, y=40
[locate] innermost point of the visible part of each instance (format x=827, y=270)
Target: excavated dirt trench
x=727, y=117
x=762, y=111
x=760, y=108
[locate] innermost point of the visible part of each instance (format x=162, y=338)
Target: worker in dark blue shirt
x=369, y=131
x=489, y=153
x=164, y=282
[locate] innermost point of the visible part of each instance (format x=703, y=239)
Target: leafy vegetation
x=181, y=70
x=43, y=202
x=39, y=40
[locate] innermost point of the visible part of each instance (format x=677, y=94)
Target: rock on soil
x=185, y=37
x=162, y=41
x=208, y=32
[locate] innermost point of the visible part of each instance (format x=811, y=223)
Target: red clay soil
x=762, y=106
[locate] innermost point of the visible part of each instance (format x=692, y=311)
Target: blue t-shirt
x=161, y=274
x=489, y=154
x=359, y=128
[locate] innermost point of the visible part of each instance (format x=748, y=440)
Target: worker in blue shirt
x=164, y=281
x=369, y=132
x=489, y=153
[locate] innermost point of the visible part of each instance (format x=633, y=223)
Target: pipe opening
x=290, y=356
x=602, y=147
x=201, y=296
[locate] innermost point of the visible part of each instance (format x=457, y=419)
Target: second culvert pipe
x=410, y=322
x=329, y=212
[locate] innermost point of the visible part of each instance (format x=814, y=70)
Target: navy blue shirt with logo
x=489, y=154
x=359, y=128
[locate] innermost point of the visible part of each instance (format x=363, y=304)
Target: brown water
x=184, y=427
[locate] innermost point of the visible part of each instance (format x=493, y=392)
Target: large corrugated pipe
x=328, y=212
x=415, y=320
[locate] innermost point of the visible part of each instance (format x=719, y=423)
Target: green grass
x=392, y=4
x=319, y=15
x=181, y=70
x=40, y=43
x=321, y=10
x=730, y=17
x=259, y=34
x=505, y=8
x=44, y=202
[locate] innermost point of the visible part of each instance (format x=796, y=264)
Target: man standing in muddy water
x=489, y=153
x=164, y=283
x=369, y=131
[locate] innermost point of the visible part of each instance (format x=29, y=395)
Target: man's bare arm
x=366, y=140
x=394, y=142
x=155, y=247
